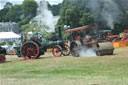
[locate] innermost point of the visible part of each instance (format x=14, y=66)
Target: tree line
x=23, y=13
x=74, y=13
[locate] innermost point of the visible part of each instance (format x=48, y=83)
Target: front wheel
x=66, y=50
x=57, y=51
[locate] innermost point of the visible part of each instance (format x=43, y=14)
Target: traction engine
x=37, y=46
x=89, y=37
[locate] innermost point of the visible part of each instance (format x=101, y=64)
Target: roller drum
x=105, y=48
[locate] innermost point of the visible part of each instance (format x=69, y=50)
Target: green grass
x=104, y=70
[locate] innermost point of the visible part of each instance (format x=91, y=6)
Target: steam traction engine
x=89, y=37
x=37, y=45
x=2, y=55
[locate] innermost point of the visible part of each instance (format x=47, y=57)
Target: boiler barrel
x=50, y=44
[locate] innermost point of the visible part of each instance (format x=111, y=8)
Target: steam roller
x=89, y=37
x=102, y=48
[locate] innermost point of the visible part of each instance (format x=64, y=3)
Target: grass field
x=100, y=70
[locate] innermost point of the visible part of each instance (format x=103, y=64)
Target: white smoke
x=84, y=51
x=87, y=52
x=109, y=11
x=45, y=16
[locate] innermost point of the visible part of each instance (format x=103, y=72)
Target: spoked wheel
x=74, y=50
x=30, y=50
x=66, y=50
x=2, y=58
x=57, y=51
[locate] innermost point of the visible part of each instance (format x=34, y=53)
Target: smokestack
x=60, y=36
x=97, y=30
x=59, y=31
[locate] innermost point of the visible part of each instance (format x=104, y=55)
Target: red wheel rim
x=2, y=58
x=56, y=51
x=30, y=50
x=66, y=50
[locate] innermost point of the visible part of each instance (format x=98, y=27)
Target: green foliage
x=87, y=18
x=76, y=13
x=29, y=7
x=2, y=43
x=10, y=43
x=3, y=15
x=8, y=5
x=19, y=13
x=72, y=12
x=15, y=13
x=74, y=16
x=35, y=28
x=25, y=20
x=23, y=13
x=55, y=9
x=29, y=27
x=24, y=27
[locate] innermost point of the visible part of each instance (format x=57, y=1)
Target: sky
x=3, y=2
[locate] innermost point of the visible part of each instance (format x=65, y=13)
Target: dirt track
x=119, y=52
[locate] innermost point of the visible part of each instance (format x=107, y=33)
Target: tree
x=87, y=19
x=24, y=21
x=56, y=9
x=15, y=13
x=3, y=14
x=8, y=5
x=29, y=7
x=35, y=28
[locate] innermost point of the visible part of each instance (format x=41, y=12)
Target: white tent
x=4, y=36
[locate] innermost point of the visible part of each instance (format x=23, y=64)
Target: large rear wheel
x=30, y=50
x=75, y=48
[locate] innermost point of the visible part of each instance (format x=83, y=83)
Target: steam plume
x=45, y=16
x=109, y=11
x=106, y=11
x=87, y=52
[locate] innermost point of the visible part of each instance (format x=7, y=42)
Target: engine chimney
x=59, y=35
x=97, y=30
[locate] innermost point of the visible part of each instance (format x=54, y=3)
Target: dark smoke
x=107, y=11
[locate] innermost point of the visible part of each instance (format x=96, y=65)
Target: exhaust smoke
x=45, y=17
x=109, y=11
x=106, y=11
x=87, y=52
